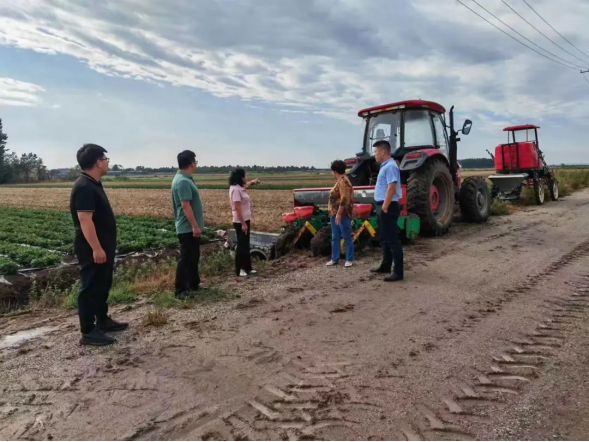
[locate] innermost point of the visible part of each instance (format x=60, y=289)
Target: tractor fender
x=415, y=160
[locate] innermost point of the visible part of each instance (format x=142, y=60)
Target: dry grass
x=159, y=279
x=155, y=317
x=267, y=205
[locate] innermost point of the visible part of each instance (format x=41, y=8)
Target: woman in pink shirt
x=242, y=213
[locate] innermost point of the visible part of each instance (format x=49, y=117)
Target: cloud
x=330, y=57
x=19, y=93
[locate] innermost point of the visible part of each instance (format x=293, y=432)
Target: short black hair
x=236, y=177
x=338, y=166
x=89, y=154
x=383, y=144
x=186, y=158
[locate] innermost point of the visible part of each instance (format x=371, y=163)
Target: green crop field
x=269, y=181
x=42, y=238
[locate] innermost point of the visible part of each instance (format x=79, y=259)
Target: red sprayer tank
x=516, y=156
x=521, y=152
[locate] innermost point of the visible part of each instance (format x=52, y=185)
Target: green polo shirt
x=184, y=189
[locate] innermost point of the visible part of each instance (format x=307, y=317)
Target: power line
x=512, y=37
x=552, y=27
x=526, y=38
x=541, y=33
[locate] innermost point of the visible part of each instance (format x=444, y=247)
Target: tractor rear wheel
x=430, y=195
x=539, y=191
x=553, y=190
x=321, y=242
x=475, y=200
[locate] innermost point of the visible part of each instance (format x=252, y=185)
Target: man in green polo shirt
x=189, y=218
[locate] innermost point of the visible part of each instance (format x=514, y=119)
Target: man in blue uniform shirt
x=386, y=194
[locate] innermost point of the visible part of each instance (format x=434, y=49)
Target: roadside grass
x=499, y=208
x=148, y=279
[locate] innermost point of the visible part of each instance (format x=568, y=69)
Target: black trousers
x=388, y=229
x=187, y=277
x=93, y=295
x=243, y=259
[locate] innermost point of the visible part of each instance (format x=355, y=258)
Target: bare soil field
x=486, y=338
x=267, y=205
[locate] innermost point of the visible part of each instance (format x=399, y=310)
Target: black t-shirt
x=88, y=196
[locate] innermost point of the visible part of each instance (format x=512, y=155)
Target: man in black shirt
x=95, y=245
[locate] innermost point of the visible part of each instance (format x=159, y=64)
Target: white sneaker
x=253, y=272
x=331, y=263
x=243, y=273
x=348, y=264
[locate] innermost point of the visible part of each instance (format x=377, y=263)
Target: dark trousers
x=93, y=295
x=187, y=277
x=388, y=229
x=243, y=259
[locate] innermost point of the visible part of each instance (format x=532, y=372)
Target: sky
x=278, y=82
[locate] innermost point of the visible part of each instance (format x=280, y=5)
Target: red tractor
x=520, y=163
x=425, y=147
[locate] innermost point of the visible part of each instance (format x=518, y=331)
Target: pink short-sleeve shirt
x=238, y=194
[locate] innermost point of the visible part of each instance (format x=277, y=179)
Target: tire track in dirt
x=474, y=397
x=424, y=249
x=531, y=283
x=297, y=403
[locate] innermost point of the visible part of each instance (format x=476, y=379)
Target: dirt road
x=486, y=338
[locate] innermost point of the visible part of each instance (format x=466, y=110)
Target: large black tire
x=539, y=194
x=321, y=242
x=475, y=200
x=554, y=191
x=360, y=177
x=419, y=194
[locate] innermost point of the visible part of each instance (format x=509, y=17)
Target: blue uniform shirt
x=389, y=173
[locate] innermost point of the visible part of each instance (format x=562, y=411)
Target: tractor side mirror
x=467, y=126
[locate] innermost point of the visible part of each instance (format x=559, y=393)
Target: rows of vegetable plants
x=42, y=238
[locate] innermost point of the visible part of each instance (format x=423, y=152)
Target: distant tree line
x=119, y=169
x=27, y=167
x=215, y=169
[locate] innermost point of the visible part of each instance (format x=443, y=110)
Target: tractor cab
x=416, y=131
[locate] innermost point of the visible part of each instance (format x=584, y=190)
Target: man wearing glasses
x=189, y=217
x=95, y=245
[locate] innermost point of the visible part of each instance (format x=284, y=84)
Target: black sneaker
x=393, y=277
x=96, y=338
x=381, y=269
x=111, y=325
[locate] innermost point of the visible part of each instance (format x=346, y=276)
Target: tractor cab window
x=441, y=135
x=383, y=126
x=418, y=129
x=524, y=135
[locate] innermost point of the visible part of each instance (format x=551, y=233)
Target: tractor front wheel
x=475, y=200
x=321, y=242
x=430, y=195
x=539, y=191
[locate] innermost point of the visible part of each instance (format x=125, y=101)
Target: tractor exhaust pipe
x=453, y=145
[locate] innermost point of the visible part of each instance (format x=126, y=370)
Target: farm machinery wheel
x=430, y=194
x=539, y=191
x=321, y=242
x=284, y=242
x=475, y=200
x=553, y=187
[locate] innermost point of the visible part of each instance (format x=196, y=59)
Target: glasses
x=104, y=159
